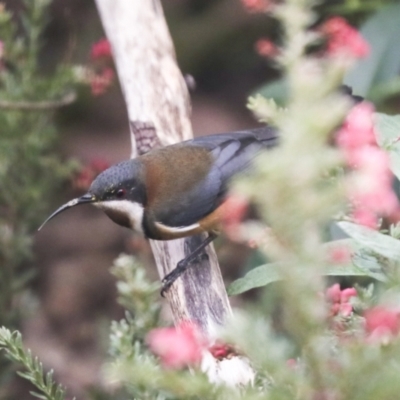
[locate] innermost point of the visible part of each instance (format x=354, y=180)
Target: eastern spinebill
x=178, y=190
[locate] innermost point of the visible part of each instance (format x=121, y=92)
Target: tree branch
x=159, y=112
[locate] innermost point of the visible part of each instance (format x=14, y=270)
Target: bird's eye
x=120, y=193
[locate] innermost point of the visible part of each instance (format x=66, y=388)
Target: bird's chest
x=125, y=213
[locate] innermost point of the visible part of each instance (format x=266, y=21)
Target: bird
x=179, y=190
x=176, y=191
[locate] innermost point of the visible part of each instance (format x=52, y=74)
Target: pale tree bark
x=158, y=106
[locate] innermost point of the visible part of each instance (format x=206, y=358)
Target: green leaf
x=34, y=368
x=38, y=395
x=375, y=241
x=269, y=273
x=388, y=129
x=257, y=277
x=370, y=263
x=362, y=264
x=381, y=31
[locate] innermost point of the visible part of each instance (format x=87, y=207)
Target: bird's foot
x=181, y=267
x=170, y=278
x=197, y=255
x=201, y=257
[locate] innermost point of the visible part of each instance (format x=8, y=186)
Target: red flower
x=85, y=176
x=381, y=323
x=101, y=49
x=339, y=300
x=343, y=39
x=266, y=48
x=177, y=347
x=99, y=165
x=221, y=350
x=257, y=5
x=99, y=83
x=83, y=180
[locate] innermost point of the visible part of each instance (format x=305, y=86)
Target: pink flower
x=358, y=128
x=339, y=300
x=365, y=217
x=371, y=193
x=101, y=49
x=101, y=82
x=339, y=255
x=373, y=189
x=233, y=211
x=381, y=323
x=347, y=294
x=177, y=347
x=257, y=5
x=382, y=200
x=266, y=48
x=372, y=160
x=343, y=39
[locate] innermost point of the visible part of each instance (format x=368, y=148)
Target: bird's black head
x=119, y=190
x=123, y=181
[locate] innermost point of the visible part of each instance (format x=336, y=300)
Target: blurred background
x=72, y=296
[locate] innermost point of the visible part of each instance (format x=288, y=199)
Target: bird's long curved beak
x=86, y=198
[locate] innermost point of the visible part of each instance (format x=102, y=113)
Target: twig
x=38, y=105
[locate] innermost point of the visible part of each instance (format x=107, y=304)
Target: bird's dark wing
x=231, y=153
x=265, y=137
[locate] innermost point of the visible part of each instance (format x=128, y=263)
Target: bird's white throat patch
x=133, y=211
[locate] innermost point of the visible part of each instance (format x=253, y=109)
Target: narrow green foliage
x=265, y=109
x=30, y=172
x=137, y=295
x=132, y=365
x=11, y=343
x=22, y=83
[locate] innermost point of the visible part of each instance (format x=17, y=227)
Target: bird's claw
x=181, y=267
x=165, y=286
x=170, y=278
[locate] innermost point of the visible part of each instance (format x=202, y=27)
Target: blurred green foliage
x=376, y=77
x=11, y=343
x=31, y=173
